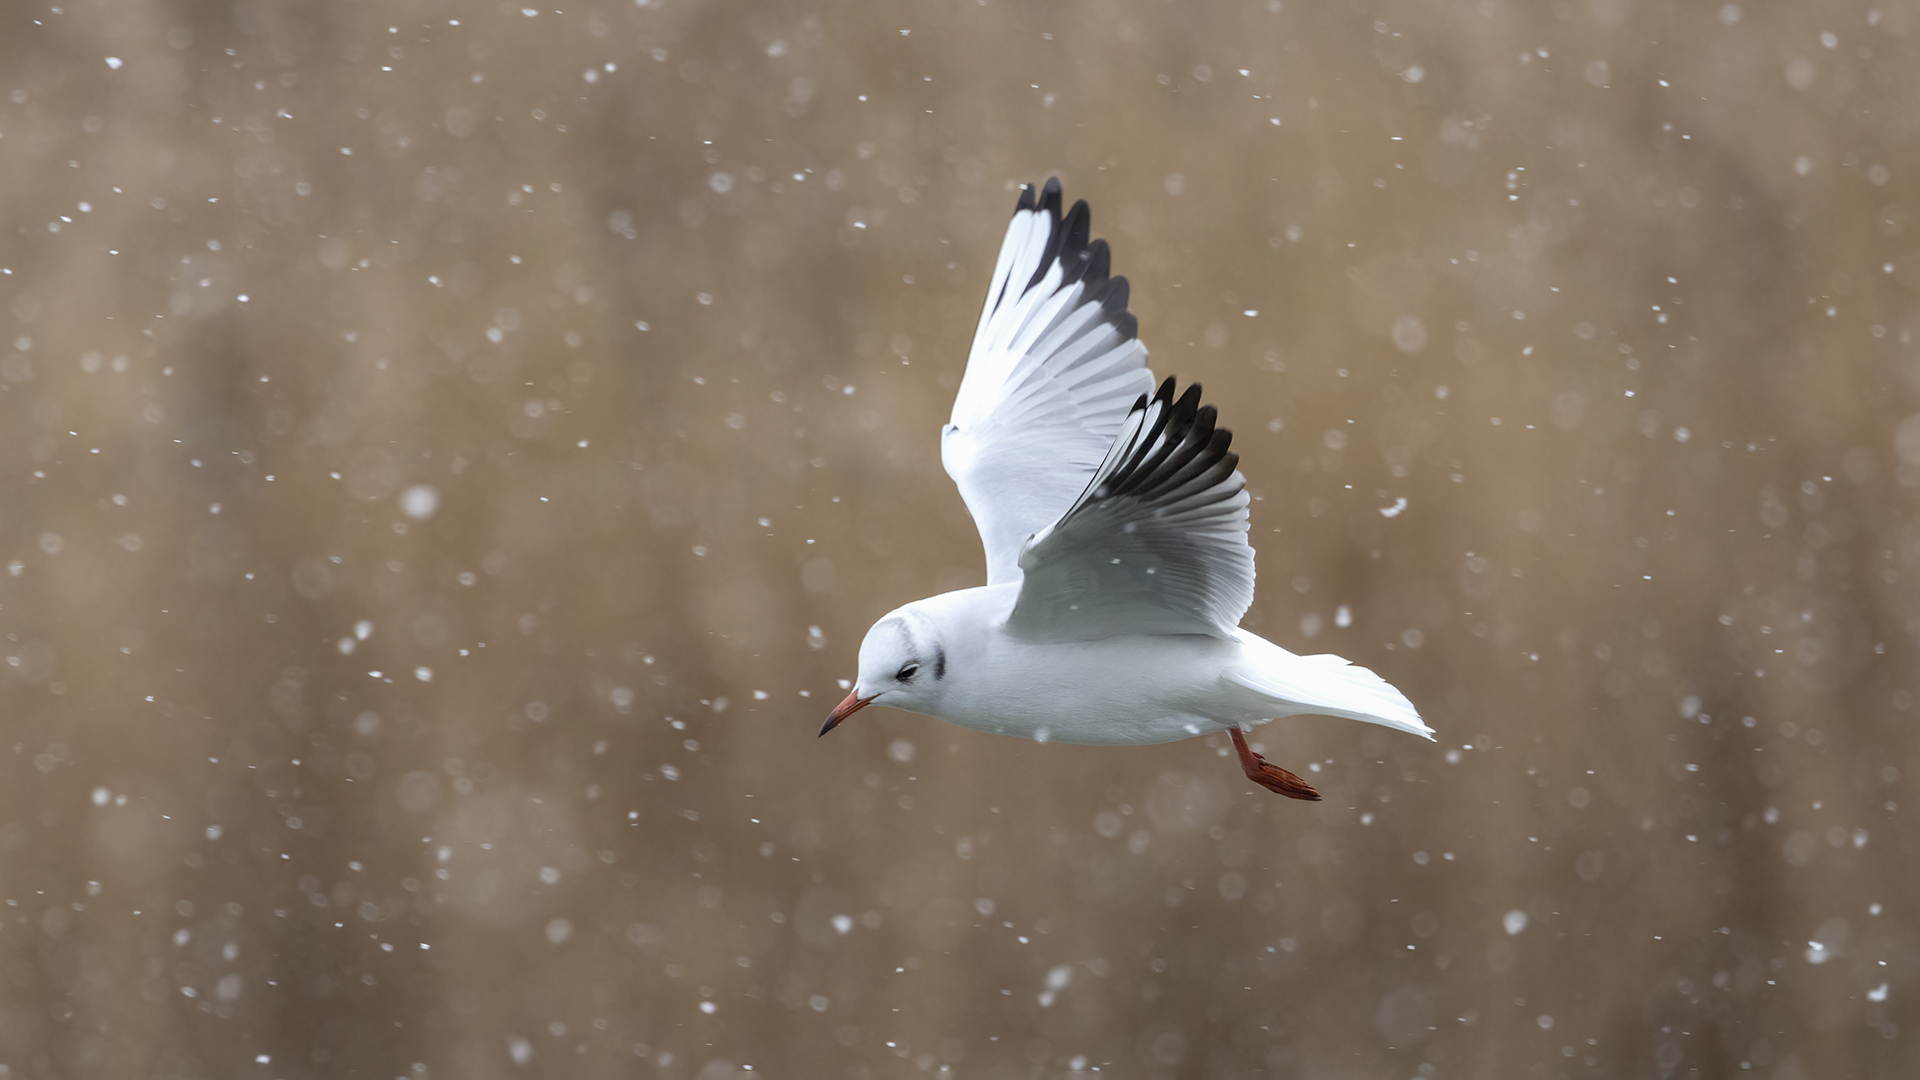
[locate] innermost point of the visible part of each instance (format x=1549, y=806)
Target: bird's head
x=903, y=663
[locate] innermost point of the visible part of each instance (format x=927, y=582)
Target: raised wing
x=1156, y=544
x=1054, y=364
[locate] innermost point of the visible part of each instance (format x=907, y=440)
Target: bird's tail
x=1325, y=684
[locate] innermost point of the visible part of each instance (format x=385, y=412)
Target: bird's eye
x=908, y=672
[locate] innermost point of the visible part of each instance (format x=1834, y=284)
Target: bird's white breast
x=1114, y=691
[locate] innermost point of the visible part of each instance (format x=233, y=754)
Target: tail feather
x=1324, y=684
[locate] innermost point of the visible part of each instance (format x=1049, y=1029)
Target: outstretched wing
x=1054, y=364
x=1157, y=542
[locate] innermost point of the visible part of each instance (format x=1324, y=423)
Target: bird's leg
x=1267, y=774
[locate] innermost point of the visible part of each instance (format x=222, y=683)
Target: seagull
x=1114, y=518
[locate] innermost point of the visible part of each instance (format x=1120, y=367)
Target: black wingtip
x=1099, y=264
x=1078, y=224
x=1076, y=256
x=1203, y=424
x=1047, y=197
x=1050, y=198
x=1058, y=239
x=1082, y=259
x=1184, y=445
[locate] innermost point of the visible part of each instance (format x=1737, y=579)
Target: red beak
x=853, y=704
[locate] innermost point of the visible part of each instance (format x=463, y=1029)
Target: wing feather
x=1155, y=544
x=1054, y=364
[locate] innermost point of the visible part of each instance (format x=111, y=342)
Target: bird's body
x=1122, y=690
x=1116, y=538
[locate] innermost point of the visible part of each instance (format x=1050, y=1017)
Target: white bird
x=1115, y=525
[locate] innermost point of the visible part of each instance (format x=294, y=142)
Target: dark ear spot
x=939, y=663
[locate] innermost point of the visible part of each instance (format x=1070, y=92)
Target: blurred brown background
x=449, y=453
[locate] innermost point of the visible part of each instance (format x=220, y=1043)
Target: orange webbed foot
x=1267, y=774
